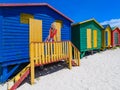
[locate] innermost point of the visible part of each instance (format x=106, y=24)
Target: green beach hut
x=86, y=36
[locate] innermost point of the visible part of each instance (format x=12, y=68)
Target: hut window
x=24, y=18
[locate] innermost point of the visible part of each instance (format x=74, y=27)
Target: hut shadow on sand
x=46, y=70
x=88, y=53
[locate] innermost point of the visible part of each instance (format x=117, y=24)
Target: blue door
x=106, y=38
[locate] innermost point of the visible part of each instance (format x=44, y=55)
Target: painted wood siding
x=106, y=38
x=83, y=36
x=75, y=36
x=1, y=18
x=114, y=38
x=15, y=35
x=80, y=39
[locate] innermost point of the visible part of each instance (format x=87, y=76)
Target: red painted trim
x=14, y=87
x=34, y=4
x=73, y=63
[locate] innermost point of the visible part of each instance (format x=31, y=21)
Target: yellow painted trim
x=95, y=38
x=89, y=38
x=24, y=18
x=35, y=32
x=70, y=55
x=35, y=35
x=108, y=30
x=32, y=66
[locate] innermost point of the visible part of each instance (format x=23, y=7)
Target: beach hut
x=106, y=37
x=26, y=23
x=86, y=35
x=115, y=39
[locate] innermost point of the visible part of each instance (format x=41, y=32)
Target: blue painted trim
x=1, y=25
x=7, y=63
x=7, y=74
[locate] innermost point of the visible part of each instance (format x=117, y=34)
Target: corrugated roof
x=33, y=4
x=88, y=21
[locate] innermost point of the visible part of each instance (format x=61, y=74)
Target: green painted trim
x=82, y=54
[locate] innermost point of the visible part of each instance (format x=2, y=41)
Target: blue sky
x=103, y=11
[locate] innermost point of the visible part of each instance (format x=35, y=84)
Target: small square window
x=24, y=18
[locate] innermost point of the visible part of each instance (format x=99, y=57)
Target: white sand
x=100, y=71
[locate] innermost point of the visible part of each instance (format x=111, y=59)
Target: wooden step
x=74, y=63
x=18, y=79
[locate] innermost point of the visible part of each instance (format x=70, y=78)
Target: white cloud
x=112, y=22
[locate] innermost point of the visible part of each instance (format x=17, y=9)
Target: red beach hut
x=115, y=36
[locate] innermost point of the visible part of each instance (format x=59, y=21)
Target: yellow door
x=94, y=38
x=89, y=45
x=58, y=27
x=35, y=33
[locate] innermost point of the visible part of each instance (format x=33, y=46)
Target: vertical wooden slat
x=63, y=49
x=67, y=49
x=39, y=52
x=75, y=53
x=60, y=49
x=32, y=62
x=51, y=51
x=43, y=53
x=70, y=55
x=55, y=54
x=56, y=51
x=36, y=53
x=78, y=58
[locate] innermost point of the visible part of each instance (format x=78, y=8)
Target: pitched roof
x=107, y=25
x=113, y=28
x=88, y=21
x=33, y=4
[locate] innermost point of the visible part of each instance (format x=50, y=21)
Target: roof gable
x=87, y=21
x=34, y=4
x=115, y=28
x=107, y=26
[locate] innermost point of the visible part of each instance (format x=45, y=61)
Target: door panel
x=116, y=38
x=106, y=38
x=95, y=38
x=89, y=45
x=35, y=33
x=58, y=27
